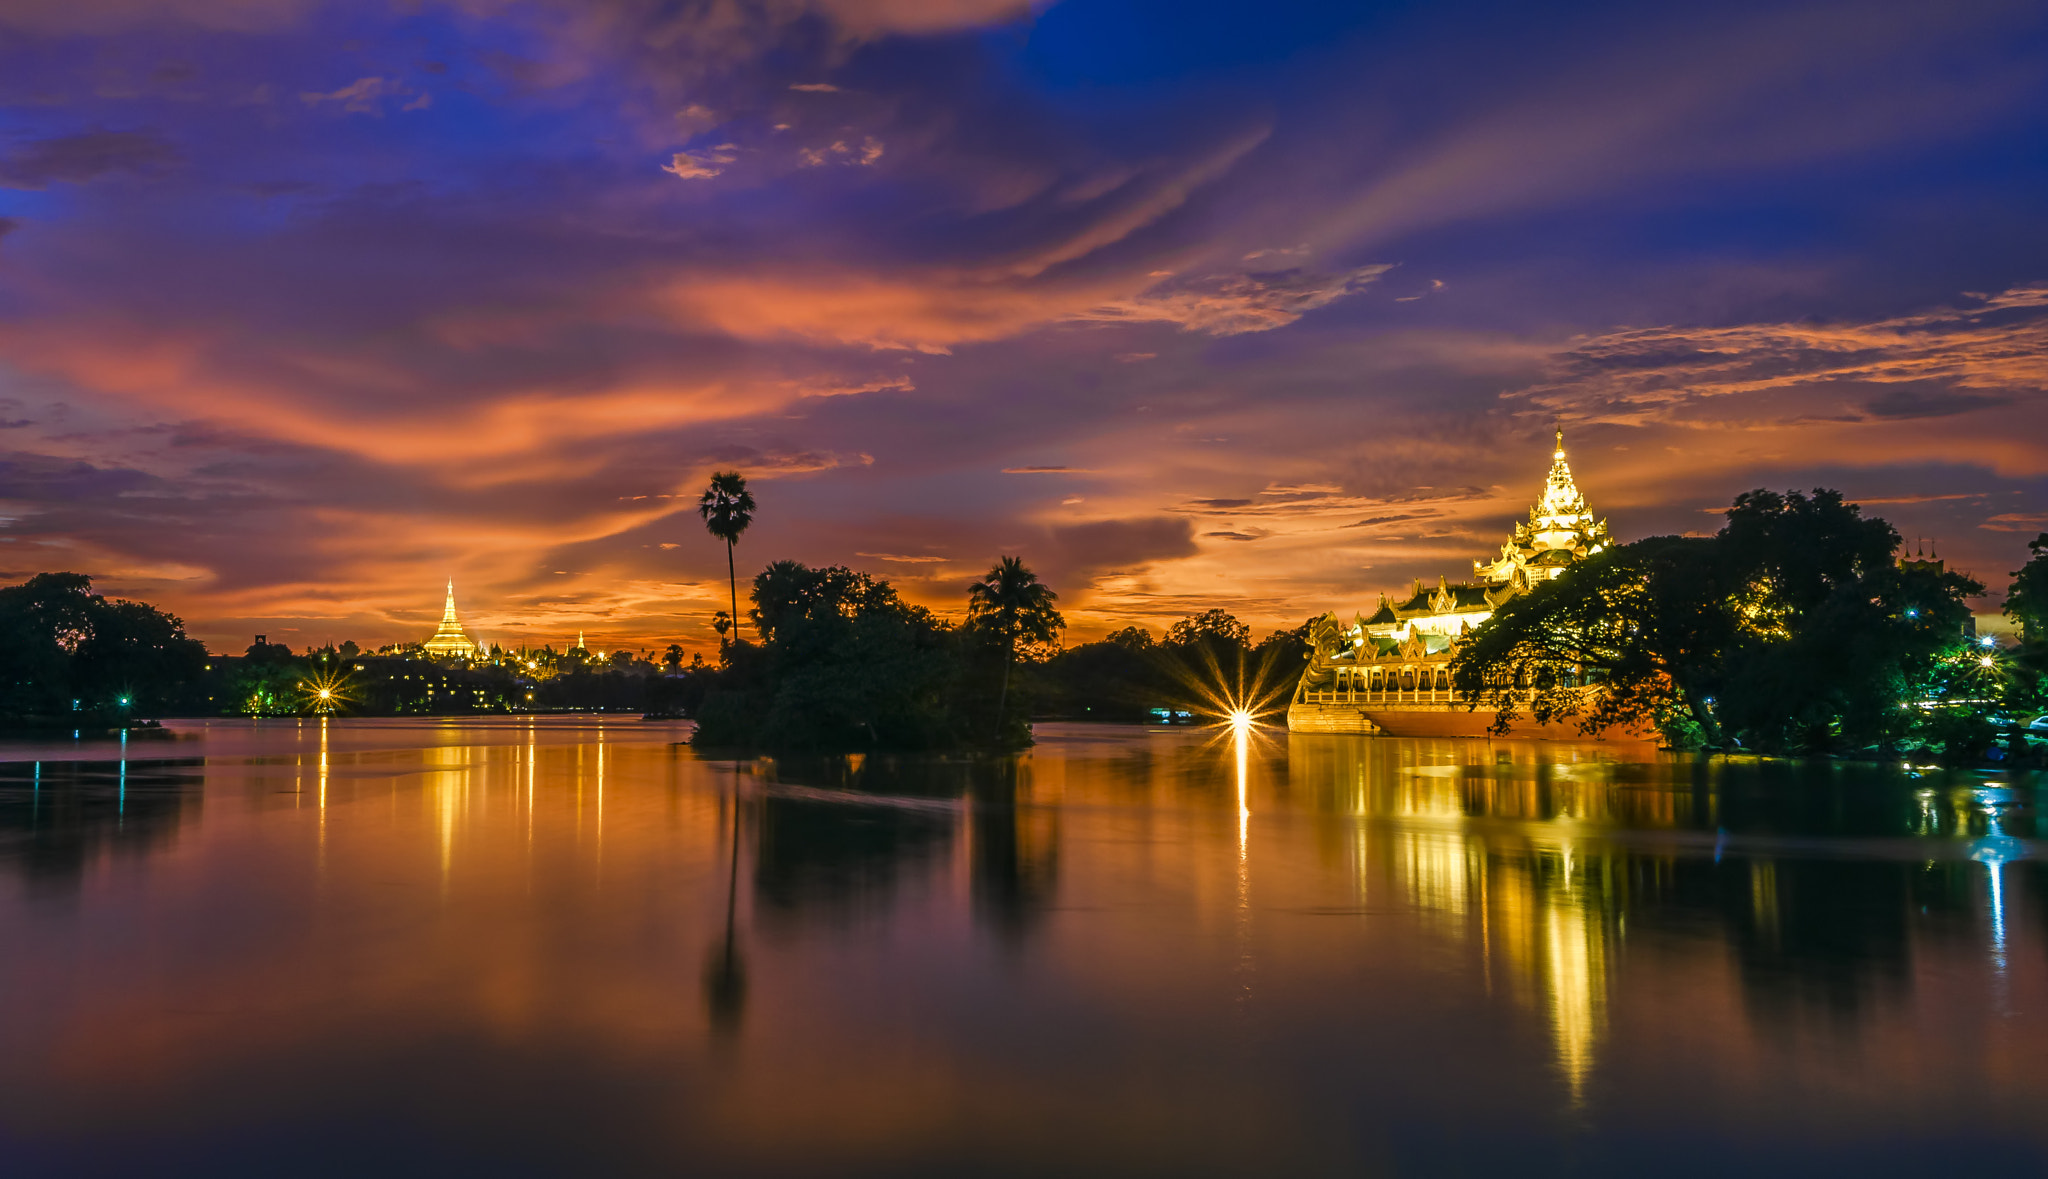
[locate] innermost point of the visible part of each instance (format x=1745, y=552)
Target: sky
x=309, y=307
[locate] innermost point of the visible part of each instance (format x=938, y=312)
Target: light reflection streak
x=323, y=793
x=1241, y=739
x=1538, y=901
x=1993, y=851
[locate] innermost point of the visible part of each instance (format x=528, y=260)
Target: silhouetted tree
x=1218, y=627
x=1012, y=606
x=1132, y=638
x=843, y=664
x=727, y=508
x=61, y=643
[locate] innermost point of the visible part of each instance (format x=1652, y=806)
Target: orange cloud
x=1929, y=365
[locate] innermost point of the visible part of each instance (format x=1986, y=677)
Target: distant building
x=451, y=639
x=1391, y=672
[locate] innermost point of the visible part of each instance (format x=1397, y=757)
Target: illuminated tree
x=2027, y=601
x=1627, y=637
x=1793, y=629
x=727, y=508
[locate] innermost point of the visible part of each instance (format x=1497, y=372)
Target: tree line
x=1795, y=629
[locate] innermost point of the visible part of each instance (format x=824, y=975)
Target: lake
x=572, y=946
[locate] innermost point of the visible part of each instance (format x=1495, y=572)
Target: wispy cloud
x=1233, y=304
x=701, y=165
x=1930, y=364
x=368, y=96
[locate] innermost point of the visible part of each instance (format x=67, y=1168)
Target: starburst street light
x=325, y=691
x=1237, y=698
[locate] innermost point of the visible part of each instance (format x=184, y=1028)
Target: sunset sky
x=306, y=307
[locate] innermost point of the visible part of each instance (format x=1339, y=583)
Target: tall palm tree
x=1014, y=606
x=728, y=507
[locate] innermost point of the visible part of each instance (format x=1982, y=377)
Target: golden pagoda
x=450, y=638
x=1560, y=530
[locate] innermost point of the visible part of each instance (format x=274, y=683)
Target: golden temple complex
x=451, y=639
x=1390, y=671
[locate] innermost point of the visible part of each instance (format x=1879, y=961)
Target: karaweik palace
x=1390, y=672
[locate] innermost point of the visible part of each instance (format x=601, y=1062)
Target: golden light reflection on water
x=808, y=964
x=1524, y=902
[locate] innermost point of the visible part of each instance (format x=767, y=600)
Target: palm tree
x=727, y=507
x=1013, y=605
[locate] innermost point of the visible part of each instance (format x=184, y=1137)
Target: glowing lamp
x=1987, y=661
x=1240, y=719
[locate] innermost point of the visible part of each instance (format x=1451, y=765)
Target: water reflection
x=57, y=819
x=1126, y=950
x=1546, y=860
x=1013, y=840
x=725, y=973
x=837, y=856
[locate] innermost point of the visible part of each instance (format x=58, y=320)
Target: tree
x=2027, y=601
x=1833, y=632
x=1793, y=629
x=1012, y=606
x=1631, y=636
x=1284, y=647
x=66, y=650
x=1132, y=638
x=727, y=508
x=673, y=658
x=1217, y=627
x=844, y=663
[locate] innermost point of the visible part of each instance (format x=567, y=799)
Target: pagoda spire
x=449, y=638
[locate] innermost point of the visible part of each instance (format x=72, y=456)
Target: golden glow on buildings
x=451, y=639
x=1400, y=654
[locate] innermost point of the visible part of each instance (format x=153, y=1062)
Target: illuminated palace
x=1390, y=673
x=451, y=639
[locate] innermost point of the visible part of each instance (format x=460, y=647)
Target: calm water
x=566, y=948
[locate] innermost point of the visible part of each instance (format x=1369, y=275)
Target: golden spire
x=449, y=639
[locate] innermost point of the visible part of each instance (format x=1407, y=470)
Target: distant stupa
x=450, y=639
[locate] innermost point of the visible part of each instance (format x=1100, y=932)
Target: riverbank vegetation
x=843, y=663
x=71, y=658
x=1795, y=629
